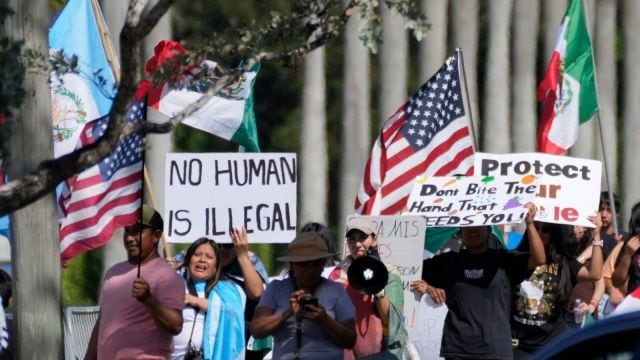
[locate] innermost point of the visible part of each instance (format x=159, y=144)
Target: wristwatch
x=597, y=243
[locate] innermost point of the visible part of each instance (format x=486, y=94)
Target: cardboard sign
x=206, y=194
x=568, y=188
x=401, y=243
x=426, y=336
x=454, y=201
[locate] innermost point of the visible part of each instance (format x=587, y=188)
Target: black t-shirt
x=538, y=314
x=478, y=288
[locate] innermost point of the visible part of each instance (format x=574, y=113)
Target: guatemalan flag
x=80, y=97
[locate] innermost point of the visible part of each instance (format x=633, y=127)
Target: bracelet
x=594, y=303
x=597, y=243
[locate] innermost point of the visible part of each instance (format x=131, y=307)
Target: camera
x=308, y=301
x=194, y=354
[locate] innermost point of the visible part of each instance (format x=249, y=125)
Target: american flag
x=107, y=195
x=427, y=135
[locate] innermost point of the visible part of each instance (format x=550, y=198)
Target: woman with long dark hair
x=628, y=263
x=539, y=309
x=214, y=305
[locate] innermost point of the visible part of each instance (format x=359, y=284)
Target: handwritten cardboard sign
x=206, y=194
x=568, y=188
x=454, y=201
x=401, y=243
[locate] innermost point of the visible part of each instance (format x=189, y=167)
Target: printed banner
x=471, y=200
x=206, y=194
x=568, y=188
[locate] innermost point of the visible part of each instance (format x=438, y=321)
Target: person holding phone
x=308, y=316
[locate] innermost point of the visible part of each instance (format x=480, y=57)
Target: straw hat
x=306, y=246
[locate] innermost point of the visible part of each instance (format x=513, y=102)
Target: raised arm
x=253, y=283
x=536, y=246
x=166, y=317
x=595, y=269
x=621, y=274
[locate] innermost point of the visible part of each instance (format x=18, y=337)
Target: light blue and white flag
x=78, y=98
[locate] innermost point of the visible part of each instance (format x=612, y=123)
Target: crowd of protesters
x=215, y=301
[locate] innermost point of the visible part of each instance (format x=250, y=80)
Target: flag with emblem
x=427, y=135
x=107, y=195
x=86, y=94
x=568, y=90
x=229, y=114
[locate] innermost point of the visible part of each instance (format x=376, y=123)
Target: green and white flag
x=229, y=115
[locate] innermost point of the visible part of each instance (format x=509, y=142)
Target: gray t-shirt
x=315, y=342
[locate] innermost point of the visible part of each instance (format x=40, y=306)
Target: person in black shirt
x=540, y=304
x=478, y=282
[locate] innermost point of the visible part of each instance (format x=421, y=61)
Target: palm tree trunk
x=356, y=117
x=525, y=30
x=313, y=148
x=393, y=65
x=496, y=123
x=433, y=48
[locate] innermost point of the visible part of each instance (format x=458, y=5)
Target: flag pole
x=467, y=101
x=154, y=204
x=612, y=205
x=109, y=50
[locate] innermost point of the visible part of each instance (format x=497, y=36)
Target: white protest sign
x=426, y=336
x=208, y=193
x=568, y=188
x=471, y=200
x=401, y=243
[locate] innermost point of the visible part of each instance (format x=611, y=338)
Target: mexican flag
x=568, y=89
x=228, y=115
x=630, y=303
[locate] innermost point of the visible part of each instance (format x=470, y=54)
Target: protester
x=478, y=282
x=246, y=269
x=606, y=213
x=613, y=294
x=309, y=316
x=628, y=262
x=584, y=290
x=379, y=320
x=6, y=337
x=141, y=301
x=214, y=311
x=541, y=303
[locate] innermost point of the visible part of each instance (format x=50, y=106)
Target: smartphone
x=308, y=301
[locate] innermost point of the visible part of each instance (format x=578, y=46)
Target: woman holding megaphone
x=377, y=294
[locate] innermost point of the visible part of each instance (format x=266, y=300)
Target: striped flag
x=428, y=135
x=568, y=89
x=107, y=195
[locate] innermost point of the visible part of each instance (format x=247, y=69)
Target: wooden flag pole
x=154, y=203
x=112, y=56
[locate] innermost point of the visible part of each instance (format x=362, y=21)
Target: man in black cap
x=141, y=301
